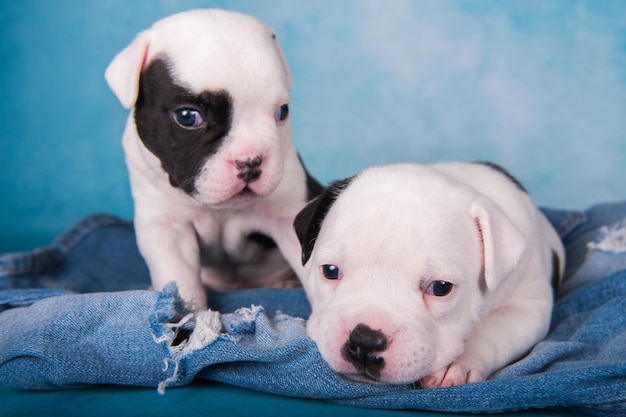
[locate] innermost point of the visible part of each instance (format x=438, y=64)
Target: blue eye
x=439, y=288
x=281, y=113
x=188, y=117
x=331, y=272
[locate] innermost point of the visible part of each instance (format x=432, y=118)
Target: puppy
x=438, y=273
x=214, y=174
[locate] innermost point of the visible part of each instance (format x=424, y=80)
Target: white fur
x=397, y=228
x=214, y=50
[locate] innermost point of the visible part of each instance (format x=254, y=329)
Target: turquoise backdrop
x=539, y=87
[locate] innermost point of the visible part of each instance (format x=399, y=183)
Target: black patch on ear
x=556, y=271
x=504, y=172
x=182, y=151
x=308, y=222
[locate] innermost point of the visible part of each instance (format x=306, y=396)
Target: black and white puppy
x=214, y=173
x=434, y=273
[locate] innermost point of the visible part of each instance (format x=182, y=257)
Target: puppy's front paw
x=452, y=375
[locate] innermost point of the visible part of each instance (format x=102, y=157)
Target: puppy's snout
x=362, y=350
x=249, y=170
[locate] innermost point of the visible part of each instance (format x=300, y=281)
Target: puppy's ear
x=503, y=245
x=123, y=72
x=308, y=222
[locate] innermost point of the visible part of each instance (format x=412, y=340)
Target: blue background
x=539, y=87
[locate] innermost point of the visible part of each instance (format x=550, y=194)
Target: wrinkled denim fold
x=78, y=313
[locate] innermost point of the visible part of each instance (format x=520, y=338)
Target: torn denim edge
x=182, y=331
x=169, y=308
x=611, y=238
x=242, y=322
x=281, y=317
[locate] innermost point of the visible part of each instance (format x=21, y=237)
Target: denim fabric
x=77, y=313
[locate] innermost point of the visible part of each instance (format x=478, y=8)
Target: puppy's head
x=210, y=91
x=398, y=261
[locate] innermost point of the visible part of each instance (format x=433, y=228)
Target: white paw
x=452, y=375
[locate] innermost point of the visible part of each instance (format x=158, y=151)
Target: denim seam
x=568, y=225
x=85, y=226
x=48, y=256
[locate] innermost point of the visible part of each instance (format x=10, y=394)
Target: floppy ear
x=308, y=222
x=503, y=245
x=123, y=72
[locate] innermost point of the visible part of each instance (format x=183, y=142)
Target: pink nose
x=249, y=169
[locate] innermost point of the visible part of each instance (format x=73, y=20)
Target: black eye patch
x=181, y=128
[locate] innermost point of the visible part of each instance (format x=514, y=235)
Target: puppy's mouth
x=252, y=189
x=240, y=199
x=245, y=192
x=361, y=377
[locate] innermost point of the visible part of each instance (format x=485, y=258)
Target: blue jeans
x=78, y=313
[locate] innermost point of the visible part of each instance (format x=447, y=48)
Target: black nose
x=362, y=350
x=248, y=169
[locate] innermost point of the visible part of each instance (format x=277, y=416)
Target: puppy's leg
x=500, y=338
x=172, y=254
x=284, y=235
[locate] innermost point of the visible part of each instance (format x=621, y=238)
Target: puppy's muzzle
x=249, y=169
x=362, y=350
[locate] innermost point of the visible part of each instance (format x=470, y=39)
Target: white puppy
x=215, y=177
x=438, y=273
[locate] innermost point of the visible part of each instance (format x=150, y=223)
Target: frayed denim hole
x=612, y=239
x=181, y=337
x=243, y=321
